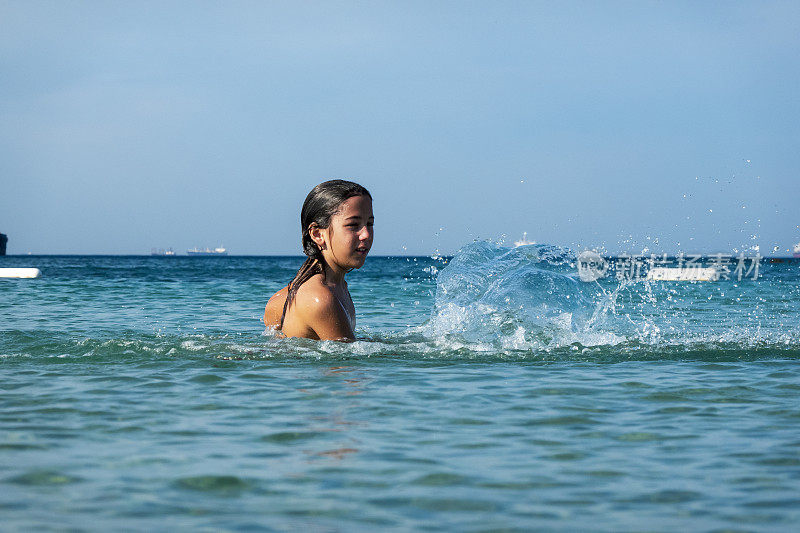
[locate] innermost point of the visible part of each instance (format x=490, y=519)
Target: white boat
x=796, y=251
x=524, y=240
x=161, y=251
x=207, y=251
x=18, y=272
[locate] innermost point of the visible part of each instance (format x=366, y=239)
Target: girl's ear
x=315, y=232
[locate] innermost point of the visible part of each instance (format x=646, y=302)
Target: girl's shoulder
x=314, y=312
x=318, y=307
x=314, y=294
x=274, y=309
x=311, y=296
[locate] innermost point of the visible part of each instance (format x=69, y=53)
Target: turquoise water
x=493, y=391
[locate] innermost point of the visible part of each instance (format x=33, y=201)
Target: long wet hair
x=321, y=204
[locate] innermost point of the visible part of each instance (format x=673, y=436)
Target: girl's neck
x=334, y=275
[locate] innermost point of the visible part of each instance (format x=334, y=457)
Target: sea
x=494, y=390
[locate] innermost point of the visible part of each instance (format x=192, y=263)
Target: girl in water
x=336, y=222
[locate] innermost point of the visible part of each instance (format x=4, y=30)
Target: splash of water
x=531, y=298
x=528, y=297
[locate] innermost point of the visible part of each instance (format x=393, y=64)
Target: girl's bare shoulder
x=322, y=311
x=274, y=309
x=314, y=294
x=311, y=296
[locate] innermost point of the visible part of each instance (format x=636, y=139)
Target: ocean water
x=491, y=391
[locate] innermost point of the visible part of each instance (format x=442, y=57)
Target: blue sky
x=628, y=126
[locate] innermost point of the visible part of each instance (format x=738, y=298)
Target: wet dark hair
x=321, y=204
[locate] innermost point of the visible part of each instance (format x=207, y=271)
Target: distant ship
x=207, y=251
x=524, y=240
x=161, y=251
x=797, y=251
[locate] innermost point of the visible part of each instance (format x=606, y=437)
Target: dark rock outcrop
x=3, y=241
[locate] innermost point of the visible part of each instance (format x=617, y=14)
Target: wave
x=412, y=346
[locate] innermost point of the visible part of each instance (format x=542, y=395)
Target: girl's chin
x=358, y=260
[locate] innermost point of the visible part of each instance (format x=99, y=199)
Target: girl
x=336, y=223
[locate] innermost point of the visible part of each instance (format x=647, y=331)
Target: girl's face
x=348, y=237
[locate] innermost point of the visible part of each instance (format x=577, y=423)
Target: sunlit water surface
x=493, y=391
